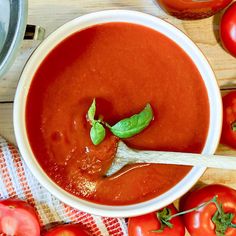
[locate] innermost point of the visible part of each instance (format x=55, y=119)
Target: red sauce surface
x=123, y=66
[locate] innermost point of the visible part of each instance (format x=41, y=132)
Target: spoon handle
x=213, y=161
x=177, y=158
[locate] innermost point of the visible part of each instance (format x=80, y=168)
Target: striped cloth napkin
x=16, y=181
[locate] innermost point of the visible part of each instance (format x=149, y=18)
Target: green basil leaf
x=92, y=111
x=129, y=127
x=97, y=133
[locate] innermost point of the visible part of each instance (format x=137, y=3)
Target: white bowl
x=117, y=16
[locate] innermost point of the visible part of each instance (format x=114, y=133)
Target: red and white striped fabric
x=16, y=181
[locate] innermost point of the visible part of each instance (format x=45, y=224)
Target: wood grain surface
x=51, y=14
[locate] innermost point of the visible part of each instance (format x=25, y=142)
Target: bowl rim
x=35, y=60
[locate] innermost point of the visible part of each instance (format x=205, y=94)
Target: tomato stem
x=232, y=225
x=219, y=207
x=165, y=215
x=213, y=200
x=233, y=125
x=222, y=220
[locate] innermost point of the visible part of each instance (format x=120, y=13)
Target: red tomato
x=200, y=222
x=18, y=218
x=143, y=225
x=193, y=9
x=68, y=230
x=228, y=29
x=228, y=135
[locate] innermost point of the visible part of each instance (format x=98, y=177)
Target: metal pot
x=13, y=18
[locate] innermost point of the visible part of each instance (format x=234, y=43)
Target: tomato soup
x=124, y=66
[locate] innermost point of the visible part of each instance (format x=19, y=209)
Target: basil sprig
x=97, y=131
x=125, y=128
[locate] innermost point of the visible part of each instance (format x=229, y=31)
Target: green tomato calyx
x=233, y=126
x=222, y=220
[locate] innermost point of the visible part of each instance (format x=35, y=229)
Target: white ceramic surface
x=117, y=16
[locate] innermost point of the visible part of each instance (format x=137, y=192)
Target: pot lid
x=13, y=16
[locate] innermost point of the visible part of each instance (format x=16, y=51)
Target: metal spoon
x=126, y=155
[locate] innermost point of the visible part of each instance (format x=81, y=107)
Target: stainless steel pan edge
x=15, y=34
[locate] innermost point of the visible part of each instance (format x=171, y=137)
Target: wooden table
x=51, y=14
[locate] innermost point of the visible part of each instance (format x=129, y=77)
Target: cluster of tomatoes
x=205, y=211
x=18, y=218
